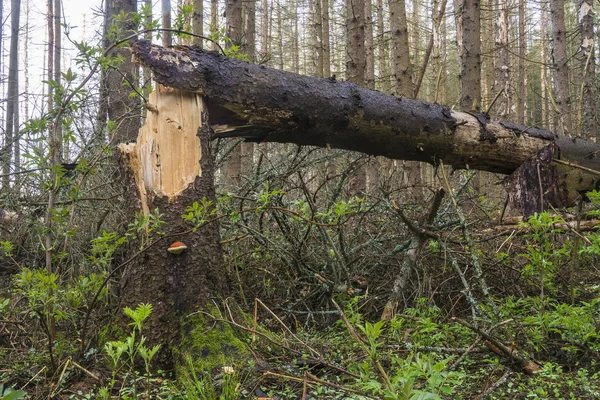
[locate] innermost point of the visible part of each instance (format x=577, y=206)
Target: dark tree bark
x=561, y=67
x=468, y=16
x=168, y=169
x=355, y=41
x=250, y=30
x=400, y=51
x=265, y=104
x=198, y=22
x=234, y=23
x=6, y=153
x=325, y=39
x=588, y=123
x=122, y=108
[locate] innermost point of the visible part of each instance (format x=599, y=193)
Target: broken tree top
x=265, y=104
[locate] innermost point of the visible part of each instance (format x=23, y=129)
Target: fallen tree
x=265, y=104
x=202, y=94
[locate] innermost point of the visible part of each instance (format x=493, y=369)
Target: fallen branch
x=528, y=366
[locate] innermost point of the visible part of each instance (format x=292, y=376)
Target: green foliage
x=542, y=253
x=6, y=393
x=144, y=226
x=413, y=376
x=199, y=214
x=124, y=353
x=231, y=49
x=200, y=385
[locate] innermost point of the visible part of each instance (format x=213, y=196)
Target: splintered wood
x=165, y=159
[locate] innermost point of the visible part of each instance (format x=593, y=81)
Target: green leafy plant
x=124, y=353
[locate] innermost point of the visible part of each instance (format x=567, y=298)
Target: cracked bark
x=264, y=104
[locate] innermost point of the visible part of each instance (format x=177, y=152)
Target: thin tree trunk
x=369, y=53
x=355, y=41
x=54, y=159
x=12, y=94
x=544, y=75
x=355, y=70
x=249, y=29
x=416, y=35
x=433, y=43
x=469, y=49
x=264, y=41
x=247, y=150
x=522, y=86
x=167, y=37
x=214, y=20
x=503, y=84
x=325, y=39
x=561, y=67
x=198, y=22
x=58, y=76
x=384, y=80
x=588, y=123
x=400, y=50
x=235, y=32
x=147, y=76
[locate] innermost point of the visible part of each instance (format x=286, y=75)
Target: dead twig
x=528, y=366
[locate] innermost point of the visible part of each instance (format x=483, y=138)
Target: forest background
x=330, y=274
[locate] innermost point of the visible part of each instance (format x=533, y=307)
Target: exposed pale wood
x=166, y=157
x=265, y=104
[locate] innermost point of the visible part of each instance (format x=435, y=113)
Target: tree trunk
x=169, y=168
x=588, y=121
x=233, y=13
x=317, y=38
x=544, y=69
x=434, y=40
x=469, y=50
x=355, y=41
x=369, y=53
x=198, y=22
x=561, y=68
x=234, y=23
x=504, y=101
x=124, y=110
x=325, y=39
x=400, y=50
x=167, y=36
x=250, y=30
x=12, y=94
x=265, y=104
x=214, y=20
x=522, y=86
x=264, y=31
x=384, y=78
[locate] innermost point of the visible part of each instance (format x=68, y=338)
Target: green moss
x=211, y=345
